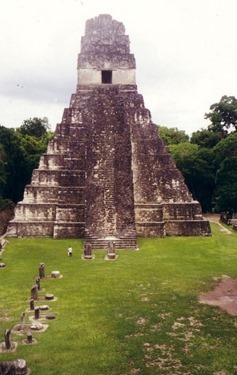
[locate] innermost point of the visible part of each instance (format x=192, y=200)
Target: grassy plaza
x=138, y=314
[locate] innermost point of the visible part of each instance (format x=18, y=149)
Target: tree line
x=207, y=159
x=20, y=151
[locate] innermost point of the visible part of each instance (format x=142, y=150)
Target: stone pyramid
x=106, y=175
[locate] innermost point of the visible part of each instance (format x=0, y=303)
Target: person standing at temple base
x=69, y=251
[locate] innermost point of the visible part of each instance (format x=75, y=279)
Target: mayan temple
x=106, y=174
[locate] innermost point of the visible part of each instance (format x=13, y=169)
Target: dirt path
x=215, y=218
x=223, y=295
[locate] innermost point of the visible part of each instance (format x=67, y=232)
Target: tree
x=19, y=154
x=226, y=198
x=196, y=165
x=2, y=170
x=14, y=162
x=225, y=194
x=204, y=178
x=36, y=127
x=226, y=148
x=205, y=138
x=223, y=115
x=184, y=155
x=172, y=136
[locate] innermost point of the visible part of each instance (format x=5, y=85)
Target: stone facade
x=107, y=175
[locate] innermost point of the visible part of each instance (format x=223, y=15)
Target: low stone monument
x=49, y=296
x=36, y=326
x=55, y=274
x=44, y=307
x=51, y=316
x=17, y=367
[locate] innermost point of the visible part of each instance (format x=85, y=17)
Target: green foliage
x=2, y=169
x=20, y=151
x=208, y=161
x=172, y=136
x=36, y=127
x=196, y=165
x=138, y=314
x=205, y=138
x=226, y=197
x=203, y=179
x=223, y=115
x=5, y=203
x=226, y=177
x=184, y=154
x=225, y=148
x=13, y=171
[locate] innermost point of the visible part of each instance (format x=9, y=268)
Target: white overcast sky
x=185, y=51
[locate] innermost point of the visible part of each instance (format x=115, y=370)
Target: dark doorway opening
x=106, y=76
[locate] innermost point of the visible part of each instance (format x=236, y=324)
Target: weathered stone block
x=187, y=228
x=17, y=367
x=69, y=230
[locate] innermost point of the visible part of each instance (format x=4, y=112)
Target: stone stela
x=87, y=251
x=107, y=173
x=41, y=270
x=8, y=344
x=34, y=292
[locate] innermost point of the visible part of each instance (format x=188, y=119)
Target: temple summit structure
x=107, y=175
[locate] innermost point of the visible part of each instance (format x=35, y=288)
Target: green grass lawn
x=138, y=314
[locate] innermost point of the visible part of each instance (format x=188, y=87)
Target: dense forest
x=207, y=159
x=20, y=150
